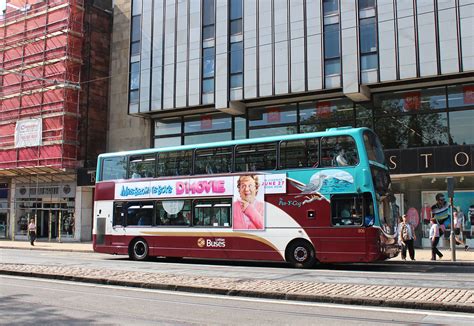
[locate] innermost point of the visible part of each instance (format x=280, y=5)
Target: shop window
x=167, y=127
x=318, y=112
x=273, y=115
x=207, y=138
x=207, y=122
x=213, y=160
x=173, y=213
x=270, y=132
x=460, y=96
x=409, y=131
x=141, y=166
x=114, y=168
x=256, y=157
x=299, y=153
x=411, y=101
x=461, y=129
x=346, y=210
x=167, y=141
x=174, y=163
x=338, y=151
x=212, y=212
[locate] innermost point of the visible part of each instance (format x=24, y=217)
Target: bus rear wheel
x=301, y=254
x=138, y=250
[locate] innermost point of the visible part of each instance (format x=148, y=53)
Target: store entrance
x=49, y=218
x=3, y=224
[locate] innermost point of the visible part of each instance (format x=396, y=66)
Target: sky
x=3, y=4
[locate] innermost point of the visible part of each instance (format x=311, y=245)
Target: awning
x=38, y=174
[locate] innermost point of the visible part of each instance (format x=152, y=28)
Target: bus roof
x=329, y=132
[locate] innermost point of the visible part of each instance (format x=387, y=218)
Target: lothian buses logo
x=201, y=243
x=217, y=243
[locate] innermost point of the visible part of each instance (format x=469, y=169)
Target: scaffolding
x=40, y=65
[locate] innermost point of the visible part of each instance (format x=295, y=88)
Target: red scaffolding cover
x=40, y=64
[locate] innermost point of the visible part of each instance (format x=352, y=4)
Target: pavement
x=430, y=298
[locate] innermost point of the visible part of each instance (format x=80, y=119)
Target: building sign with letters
x=46, y=190
x=431, y=159
x=28, y=133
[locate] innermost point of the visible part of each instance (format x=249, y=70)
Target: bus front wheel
x=138, y=250
x=301, y=254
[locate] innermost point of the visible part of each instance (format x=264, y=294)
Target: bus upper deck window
x=213, y=160
x=338, y=151
x=114, y=168
x=141, y=166
x=302, y=153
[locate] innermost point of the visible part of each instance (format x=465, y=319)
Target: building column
x=83, y=213
x=12, y=227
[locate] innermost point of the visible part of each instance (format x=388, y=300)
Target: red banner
x=468, y=92
x=412, y=101
x=273, y=115
x=206, y=122
x=323, y=109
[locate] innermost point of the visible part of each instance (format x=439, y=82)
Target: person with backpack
x=434, y=237
x=407, y=238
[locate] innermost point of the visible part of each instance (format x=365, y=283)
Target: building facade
x=54, y=64
x=187, y=72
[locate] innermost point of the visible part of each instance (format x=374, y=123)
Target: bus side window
x=338, y=151
x=175, y=163
x=213, y=160
x=141, y=166
x=346, y=210
x=114, y=168
x=299, y=153
x=212, y=212
x=256, y=157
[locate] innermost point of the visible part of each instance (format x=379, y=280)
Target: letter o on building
x=461, y=159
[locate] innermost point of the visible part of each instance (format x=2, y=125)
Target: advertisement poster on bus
x=195, y=187
x=248, y=203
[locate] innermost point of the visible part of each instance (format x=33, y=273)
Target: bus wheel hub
x=300, y=254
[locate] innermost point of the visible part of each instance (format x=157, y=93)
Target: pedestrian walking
x=459, y=227
x=32, y=231
x=434, y=237
x=407, y=238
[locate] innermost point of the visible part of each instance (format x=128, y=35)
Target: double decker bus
x=303, y=198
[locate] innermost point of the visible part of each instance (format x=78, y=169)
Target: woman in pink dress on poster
x=248, y=211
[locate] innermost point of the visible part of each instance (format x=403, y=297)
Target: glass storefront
x=416, y=195
x=50, y=205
